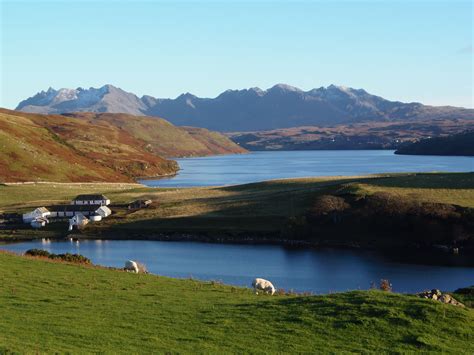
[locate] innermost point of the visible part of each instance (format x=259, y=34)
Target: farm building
x=103, y=211
x=98, y=199
x=86, y=210
x=39, y=222
x=72, y=210
x=139, y=204
x=40, y=212
x=78, y=221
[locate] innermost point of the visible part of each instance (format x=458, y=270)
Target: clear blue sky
x=404, y=50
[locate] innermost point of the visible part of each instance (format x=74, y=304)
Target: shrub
x=385, y=285
x=385, y=203
x=71, y=258
x=328, y=204
x=437, y=210
x=38, y=252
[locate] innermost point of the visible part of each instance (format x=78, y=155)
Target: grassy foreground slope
x=53, y=307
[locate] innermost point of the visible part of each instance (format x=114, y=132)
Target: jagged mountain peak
x=280, y=106
x=284, y=88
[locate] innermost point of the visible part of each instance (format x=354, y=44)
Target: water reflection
x=319, y=271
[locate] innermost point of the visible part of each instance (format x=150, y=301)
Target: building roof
x=42, y=210
x=74, y=208
x=105, y=209
x=79, y=218
x=90, y=197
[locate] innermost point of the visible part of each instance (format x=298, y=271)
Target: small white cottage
x=78, y=221
x=40, y=212
x=103, y=211
x=98, y=199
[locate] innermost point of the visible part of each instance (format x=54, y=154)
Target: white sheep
x=263, y=285
x=132, y=266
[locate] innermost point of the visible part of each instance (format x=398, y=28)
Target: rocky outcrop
x=437, y=295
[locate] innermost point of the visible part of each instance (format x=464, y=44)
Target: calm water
x=319, y=271
x=259, y=166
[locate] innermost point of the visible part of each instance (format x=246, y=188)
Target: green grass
x=258, y=207
x=54, y=307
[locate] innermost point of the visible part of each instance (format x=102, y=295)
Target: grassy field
x=259, y=207
x=54, y=307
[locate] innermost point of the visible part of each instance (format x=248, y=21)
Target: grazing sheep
x=263, y=285
x=132, y=266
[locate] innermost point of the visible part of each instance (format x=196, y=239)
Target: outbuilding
x=103, y=211
x=39, y=222
x=98, y=199
x=40, y=212
x=72, y=210
x=137, y=204
x=78, y=221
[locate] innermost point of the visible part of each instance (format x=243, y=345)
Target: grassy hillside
x=54, y=307
x=29, y=151
x=97, y=147
x=260, y=207
x=164, y=138
x=456, y=144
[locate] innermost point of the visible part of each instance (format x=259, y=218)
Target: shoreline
x=408, y=254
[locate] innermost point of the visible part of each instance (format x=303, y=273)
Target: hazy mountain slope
x=370, y=135
x=281, y=106
x=457, y=144
x=57, y=148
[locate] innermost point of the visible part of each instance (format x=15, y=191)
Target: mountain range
x=281, y=106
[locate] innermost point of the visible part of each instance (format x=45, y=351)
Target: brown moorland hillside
x=367, y=135
x=37, y=147
x=98, y=146
x=163, y=137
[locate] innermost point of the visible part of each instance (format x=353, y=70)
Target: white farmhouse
x=103, y=211
x=72, y=210
x=98, y=199
x=40, y=212
x=78, y=221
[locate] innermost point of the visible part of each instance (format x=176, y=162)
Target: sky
x=401, y=50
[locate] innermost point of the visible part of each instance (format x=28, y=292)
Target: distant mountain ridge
x=281, y=106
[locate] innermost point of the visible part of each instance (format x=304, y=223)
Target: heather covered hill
x=163, y=137
x=281, y=106
x=98, y=147
x=58, y=148
x=457, y=144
